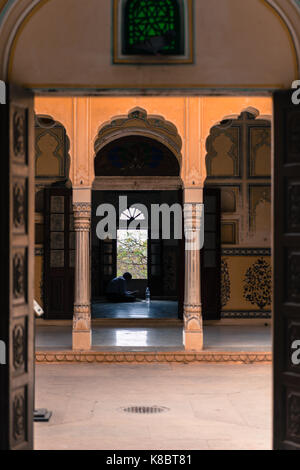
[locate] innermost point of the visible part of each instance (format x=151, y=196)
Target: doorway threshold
x=150, y=357
x=137, y=322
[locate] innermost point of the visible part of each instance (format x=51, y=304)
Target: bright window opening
x=131, y=214
x=132, y=248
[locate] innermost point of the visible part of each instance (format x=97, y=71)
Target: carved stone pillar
x=82, y=303
x=193, y=331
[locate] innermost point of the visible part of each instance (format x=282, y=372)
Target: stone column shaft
x=82, y=303
x=193, y=331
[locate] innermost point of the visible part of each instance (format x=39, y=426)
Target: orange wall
x=193, y=117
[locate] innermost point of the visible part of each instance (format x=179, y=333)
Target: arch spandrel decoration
x=138, y=124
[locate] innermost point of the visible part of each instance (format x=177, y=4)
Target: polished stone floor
x=211, y=406
x=228, y=338
x=139, y=309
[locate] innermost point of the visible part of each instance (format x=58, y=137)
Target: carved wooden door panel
x=17, y=258
x=59, y=247
x=211, y=256
x=286, y=286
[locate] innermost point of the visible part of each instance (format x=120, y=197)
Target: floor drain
x=145, y=409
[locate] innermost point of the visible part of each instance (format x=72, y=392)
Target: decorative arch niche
x=248, y=134
x=138, y=145
x=52, y=158
x=52, y=145
x=238, y=164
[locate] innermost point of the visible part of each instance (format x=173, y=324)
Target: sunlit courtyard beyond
x=205, y=406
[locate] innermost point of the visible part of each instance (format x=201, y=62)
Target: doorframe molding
x=137, y=183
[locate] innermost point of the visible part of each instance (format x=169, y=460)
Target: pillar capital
x=82, y=216
x=81, y=208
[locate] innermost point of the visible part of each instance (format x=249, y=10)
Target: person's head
x=127, y=277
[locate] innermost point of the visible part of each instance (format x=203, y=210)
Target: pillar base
x=82, y=340
x=193, y=340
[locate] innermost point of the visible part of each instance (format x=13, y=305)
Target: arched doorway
x=54, y=227
x=139, y=177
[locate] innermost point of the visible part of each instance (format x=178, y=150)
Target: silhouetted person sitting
x=117, y=289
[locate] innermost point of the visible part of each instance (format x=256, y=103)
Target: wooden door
x=59, y=249
x=104, y=252
x=155, y=267
x=17, y=267
x=107, y=262
x=211, y=256
x=286, y=266
x=166, y=256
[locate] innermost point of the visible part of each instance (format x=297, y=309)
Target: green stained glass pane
x=149, y=19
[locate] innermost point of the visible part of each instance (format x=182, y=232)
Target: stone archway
x=139, y=123
x=140, y=126
x=137, y=153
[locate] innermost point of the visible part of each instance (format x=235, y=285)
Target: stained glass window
x=152, y=27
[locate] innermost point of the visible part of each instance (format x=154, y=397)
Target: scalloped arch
x=138, y=122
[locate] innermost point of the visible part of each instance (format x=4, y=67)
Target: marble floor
x=210, y=406
x=139, y=309
x=228, y=338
